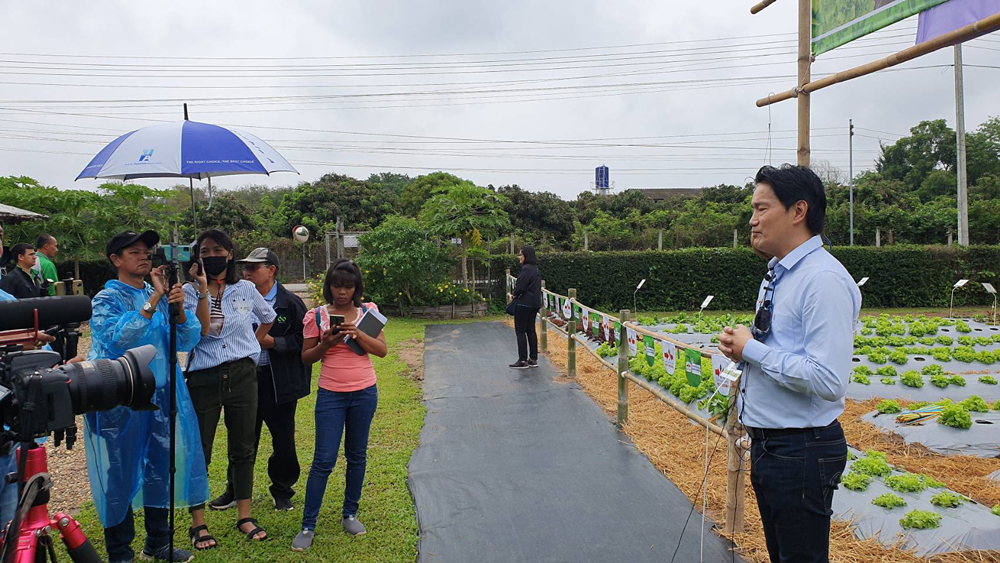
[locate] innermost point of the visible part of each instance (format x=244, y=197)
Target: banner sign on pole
x=586, y=320
x=953, y=15
x=836, y=22
x=650, y=345
x=719, y=364
x=596, y=327
x=692, y=365
x=633, y=346
x=567, y=309
x=669, y=357
x=607, y=329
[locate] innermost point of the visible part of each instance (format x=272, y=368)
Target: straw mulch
x=676, y=447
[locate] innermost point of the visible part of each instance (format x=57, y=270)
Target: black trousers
x=524, y=328
x=283, y=465
x=794, y=473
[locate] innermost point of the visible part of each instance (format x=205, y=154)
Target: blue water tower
x=602, y=180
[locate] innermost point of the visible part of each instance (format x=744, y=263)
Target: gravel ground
x=68, y=468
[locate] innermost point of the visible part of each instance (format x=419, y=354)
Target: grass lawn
x=386, y=505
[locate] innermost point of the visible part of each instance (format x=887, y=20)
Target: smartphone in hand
x=335, y=322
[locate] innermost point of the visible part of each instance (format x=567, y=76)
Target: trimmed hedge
x=901, y=276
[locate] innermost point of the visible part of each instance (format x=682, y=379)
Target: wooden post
x=543, y=337
x=878, y=236
x=735, y=474
x=736, y=238
x=512, y=244
x=950, y=239
x=506, y=284
x=659, y=240
x=622, y=368
x=805, y=67
x=586, y=241
x=571, y=330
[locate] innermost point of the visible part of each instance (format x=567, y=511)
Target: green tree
x=423, y=188
x=540, y=218
x=400, y=264
x=318, y=204
x=465, y=211
x=394, y=182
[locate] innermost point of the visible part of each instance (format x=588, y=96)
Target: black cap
x=121, y=241
x=261, y=255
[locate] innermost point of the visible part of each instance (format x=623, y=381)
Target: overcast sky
x=662, y=77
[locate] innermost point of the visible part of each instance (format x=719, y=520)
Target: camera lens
x=100, y=385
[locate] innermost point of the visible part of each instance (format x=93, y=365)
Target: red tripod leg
x=79, y=547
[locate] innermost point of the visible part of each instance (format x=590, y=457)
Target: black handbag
x=512, y=306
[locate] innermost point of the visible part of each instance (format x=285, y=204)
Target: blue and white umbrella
x=185, y=149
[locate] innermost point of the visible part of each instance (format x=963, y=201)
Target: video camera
x=37, y=398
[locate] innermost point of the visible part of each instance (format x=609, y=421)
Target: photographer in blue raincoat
x=128, y=451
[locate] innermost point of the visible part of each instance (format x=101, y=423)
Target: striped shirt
x=241, y=306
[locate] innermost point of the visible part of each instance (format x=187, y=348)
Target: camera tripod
x=29, y=536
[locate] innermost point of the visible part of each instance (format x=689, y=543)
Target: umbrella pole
x=175, y=311
x=194, y=213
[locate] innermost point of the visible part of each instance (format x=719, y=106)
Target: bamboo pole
x=971, y=31
x=543, y=336
x=622, y=370
x=756, y=9
x=571, y=330
x=805, y=73
x=735, y=474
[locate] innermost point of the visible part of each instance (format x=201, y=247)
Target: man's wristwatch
x=147, y=307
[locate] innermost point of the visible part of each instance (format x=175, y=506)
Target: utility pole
x=850, y=172
x=805, y=66
x=963, y=187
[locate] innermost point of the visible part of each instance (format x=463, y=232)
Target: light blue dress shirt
x=243, y=307
x=797, y=376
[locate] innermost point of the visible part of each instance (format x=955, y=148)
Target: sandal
x=197, y=538
x=256, y=530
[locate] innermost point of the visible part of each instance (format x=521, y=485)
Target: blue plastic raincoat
x=128, y=452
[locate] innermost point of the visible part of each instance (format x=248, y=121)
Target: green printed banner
x=837, y=22
x=692, y=364
x=597, y=328
x=650, y=345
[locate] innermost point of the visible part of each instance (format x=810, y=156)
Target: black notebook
x=370, y=323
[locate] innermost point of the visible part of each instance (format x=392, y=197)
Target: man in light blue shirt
x=796, y=364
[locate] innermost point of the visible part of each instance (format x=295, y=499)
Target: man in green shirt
x=47, y=247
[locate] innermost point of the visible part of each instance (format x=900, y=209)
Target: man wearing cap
x=128, y=457
x=282, y=379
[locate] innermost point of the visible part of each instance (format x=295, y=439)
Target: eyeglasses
x=252, y=267
x=762, y=320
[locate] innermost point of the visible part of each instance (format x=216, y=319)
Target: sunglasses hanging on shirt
x=762, y=320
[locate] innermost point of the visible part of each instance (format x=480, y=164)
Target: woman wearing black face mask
x=222, y=370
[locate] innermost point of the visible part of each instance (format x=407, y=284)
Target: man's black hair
x=343, y=273
x=43, y=239
x=19, y=249
x=225, y=242
x=792, y=184
x=529, y=254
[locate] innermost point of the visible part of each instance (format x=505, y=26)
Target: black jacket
x=528, y=290
x=291, y=378
x=19, y=284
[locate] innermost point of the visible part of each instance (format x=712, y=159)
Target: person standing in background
x=282, y=379
x=528, y=297
x=19, y=281
x=46, y=248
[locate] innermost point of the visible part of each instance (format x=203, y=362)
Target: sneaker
x=303, y=540
x=163, y=554
x=224, y=501
x=283, y=504
x=532, y=363
x=353, y=526
x=520, y=365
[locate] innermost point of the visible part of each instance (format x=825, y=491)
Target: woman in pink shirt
x=347, y=396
